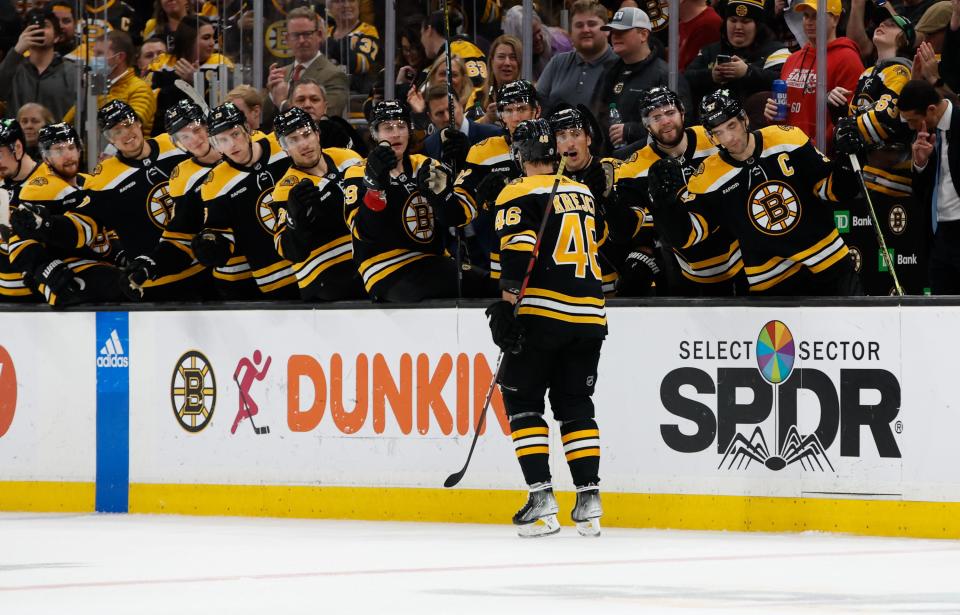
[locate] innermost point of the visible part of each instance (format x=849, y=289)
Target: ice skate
x=587, y=511
x=538, y=517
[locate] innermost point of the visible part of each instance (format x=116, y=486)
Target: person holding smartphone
x=42, y=76
x=745, y=60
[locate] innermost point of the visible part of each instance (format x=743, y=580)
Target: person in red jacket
x=800, y=71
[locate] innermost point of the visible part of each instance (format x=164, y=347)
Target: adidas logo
x=112, y=354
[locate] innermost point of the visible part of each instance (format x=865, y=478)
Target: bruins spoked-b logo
x=193, y=391
x=265, y=212
x=418, y=218
x=897, y=219
x=774, y=208
x=160, y=205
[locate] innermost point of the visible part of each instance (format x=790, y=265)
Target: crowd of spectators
x=327, y=57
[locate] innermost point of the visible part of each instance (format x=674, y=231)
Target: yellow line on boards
x=47, y=496
x=689, y=512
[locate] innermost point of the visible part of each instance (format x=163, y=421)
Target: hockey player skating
x=239, y=215
x=312, y=232
x=710, y=267
x=392, y=204
x=768, y=188
x=64, y=275
x=551, y=326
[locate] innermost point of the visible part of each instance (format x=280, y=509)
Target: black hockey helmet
x=113, y=113
x=520, y=91
x=10, y=133
x=534, y=141
x=718, y=107
x=181, y=115
x=223, y=118
x=657, y=97
x=292, y=119
x=52, y=134
x=389, y=110
x=567, y=118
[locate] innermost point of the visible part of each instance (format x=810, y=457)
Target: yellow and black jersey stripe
x=565, y=287
x=473, y=59
x=874, y=103
x=773, y=204
x=364, y=51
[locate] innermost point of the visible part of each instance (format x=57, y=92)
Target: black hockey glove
x=210, y=249
x=29, y=223
x=380, y=162
x=435, y=181
x=454, y=146
x=303, y=205
x=637, y=274
x=59, y=279
x=847, y=139
x=489, y=188
x=135, y=273
x=665, y=181
x=599, y=178
x=506, y=330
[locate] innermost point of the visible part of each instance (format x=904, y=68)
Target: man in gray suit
x=305, y=34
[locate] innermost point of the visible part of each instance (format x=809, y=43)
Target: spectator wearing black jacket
x=628, y=81
x=746, y=59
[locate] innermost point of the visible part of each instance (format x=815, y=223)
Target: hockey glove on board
x=210, y=249
x=454, y=147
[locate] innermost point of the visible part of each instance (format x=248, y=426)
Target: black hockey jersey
x=609, y=257
x=564, y=293
x=325, y=251
x=874, y=104
x=773, y=203
x=45, y=190
x=714, y=259
x=238, y=205
x=131, y=197
x=491, y=155
x=359, y=50
x=101, y=19
x=384, y=242
x=13, y=284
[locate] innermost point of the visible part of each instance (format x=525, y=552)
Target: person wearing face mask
x=240, y=217
x=64, y=275
x=113, y=58
x=575, y=76
x=138, y=173
x=311, y=232
x=746, y=59
x=34, y=72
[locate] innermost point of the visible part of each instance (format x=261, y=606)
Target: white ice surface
x=142, y=564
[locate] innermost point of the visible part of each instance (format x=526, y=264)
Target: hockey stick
x=876, y=225
x=456, y=477
x=243, y=398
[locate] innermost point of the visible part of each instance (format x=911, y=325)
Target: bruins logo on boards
x=856, y=257
x=774, y=208
x=193, y=391
x=160, y=205
x=418, y=218
x=275, y=40
x=897, y=219
x=265, y=213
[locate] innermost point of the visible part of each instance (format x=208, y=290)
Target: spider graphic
x=808, y=451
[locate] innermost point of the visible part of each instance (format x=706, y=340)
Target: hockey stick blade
x=456, y=477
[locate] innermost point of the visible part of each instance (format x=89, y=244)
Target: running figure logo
x=250, y=372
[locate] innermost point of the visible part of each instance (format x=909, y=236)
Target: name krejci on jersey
x=573, y=201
